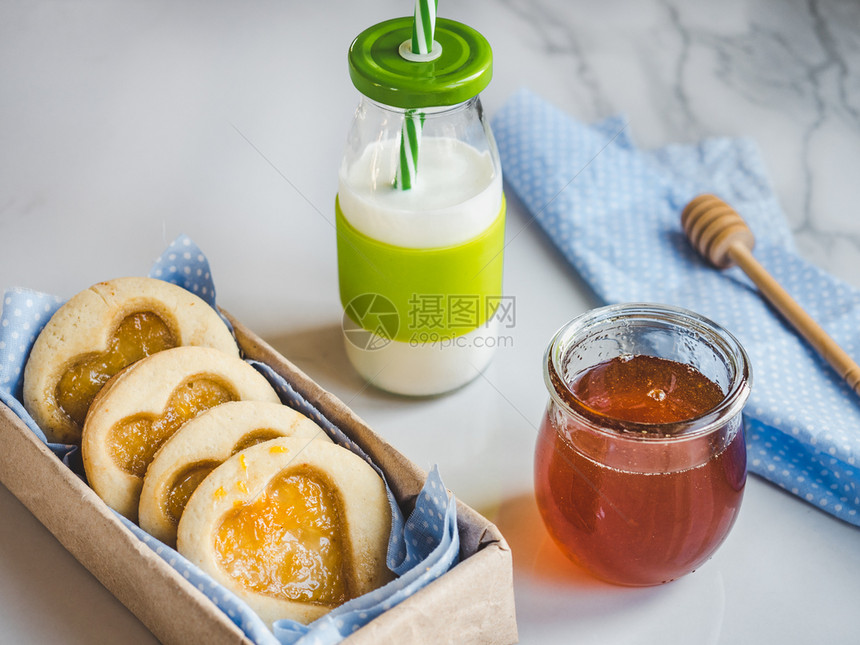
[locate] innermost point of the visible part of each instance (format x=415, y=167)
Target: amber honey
x=646, y=389
x=640, y=462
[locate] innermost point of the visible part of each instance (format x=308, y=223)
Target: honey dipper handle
x=794, y=313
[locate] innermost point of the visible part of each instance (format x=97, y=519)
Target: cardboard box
x=472, y=603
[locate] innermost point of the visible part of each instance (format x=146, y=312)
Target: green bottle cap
x=459, y=67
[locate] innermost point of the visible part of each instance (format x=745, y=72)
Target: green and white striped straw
x=423, y=29
x=424, y=26
x=410, y=141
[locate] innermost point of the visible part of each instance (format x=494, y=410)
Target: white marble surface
x=124, y=124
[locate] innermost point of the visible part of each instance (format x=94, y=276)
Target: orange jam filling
x=185, y=483
x=287, y=543
x=135, y=440
x=255, y=437
x=137, y=336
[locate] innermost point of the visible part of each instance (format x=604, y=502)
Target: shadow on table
x=319, y=352
x=535, y=553
x=551, y=590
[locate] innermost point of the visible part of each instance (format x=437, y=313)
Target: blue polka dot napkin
x=421, y=548
x=613, y=211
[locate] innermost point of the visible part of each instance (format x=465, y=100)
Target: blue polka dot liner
x=421, y=548
x=613, y=211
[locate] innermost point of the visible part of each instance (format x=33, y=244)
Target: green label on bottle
x=437, y=294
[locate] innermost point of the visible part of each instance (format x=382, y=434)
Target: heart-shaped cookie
x=201, y=445
x=145, y=404
x=100, y=331
x=294, y=527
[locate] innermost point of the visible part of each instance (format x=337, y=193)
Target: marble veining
x=784, y=73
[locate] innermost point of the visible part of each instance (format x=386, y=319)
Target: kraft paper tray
x=472, y=603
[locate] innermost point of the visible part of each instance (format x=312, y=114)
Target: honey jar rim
x=715, y=335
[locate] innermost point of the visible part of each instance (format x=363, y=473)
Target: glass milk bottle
x=420, y=212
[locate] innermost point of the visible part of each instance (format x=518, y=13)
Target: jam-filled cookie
x=100, y=331
x=144, y=405
x=294, y=528
x=204, y=443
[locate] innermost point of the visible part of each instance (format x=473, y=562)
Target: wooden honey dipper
x=719, y=234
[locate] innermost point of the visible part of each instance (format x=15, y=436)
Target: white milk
x=457, y=195
x=424, y=369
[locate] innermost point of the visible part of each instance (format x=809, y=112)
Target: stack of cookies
x=181, y=435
